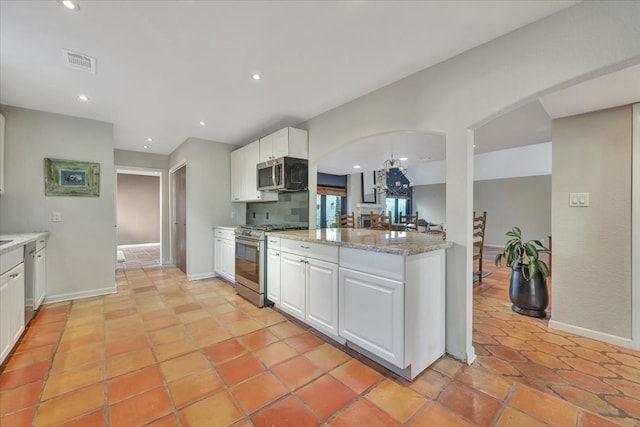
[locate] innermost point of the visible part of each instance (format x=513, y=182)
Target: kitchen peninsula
x=379, y=292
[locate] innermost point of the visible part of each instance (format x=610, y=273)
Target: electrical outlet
x=56, y=216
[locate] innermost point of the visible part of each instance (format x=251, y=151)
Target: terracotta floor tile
x=116, y=314
x=544, y=407
x=288, y=412
x=224, y=351
x=327, y=357
x=630, y=406
x=167, y=335
x=243, y=327
x=587, y=382
x=19, y=398
x=269, y=318
x=502, y=367
x=39, y=340
x=625, y=372
x=184, y=365
x=170, y=420
x=304, y=342
x=285, y=330
x=627, y=387
x=25, y=358
x=363, y=414
x=217, y=410
x=510, y=417
x=73, y=359
x=591, y=355
x=22, y=376
x=125, y=345
x=128, y=362
x=193, y=315
x=91, y=420
x=538, y=372
x=275, y=353
x=488, y=382
x=626, y=359
x=399, y=402
x=239, y=369
x=296, y=372
x=20, y=418
x=194, y=387
x=258, y=391
x=161, y=322
x=173, y=349
x=326, y=395
x=134, y=383
x=588, y=367
x=447, y=366
x=356, y=375
x=185, y=308
x=140, y=409
x=437, y=415
x=258, y=339
x=72, y=344
x=591, y=420
x=232, y=316
x=472, y=405
x=429, y=383
x=64, y=382
x=72, y=405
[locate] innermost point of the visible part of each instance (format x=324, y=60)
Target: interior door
x=180, y=218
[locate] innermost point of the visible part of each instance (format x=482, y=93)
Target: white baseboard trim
x=77, y=295
x=200, y=276
x=590, y=333
x=138, y=245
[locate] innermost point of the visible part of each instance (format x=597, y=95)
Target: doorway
x=179, y=210
x=139, y=217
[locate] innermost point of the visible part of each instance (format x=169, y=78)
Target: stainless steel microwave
x=283, y=174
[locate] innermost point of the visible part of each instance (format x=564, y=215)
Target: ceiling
x=164, y=66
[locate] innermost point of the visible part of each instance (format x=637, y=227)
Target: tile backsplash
x=291, y=208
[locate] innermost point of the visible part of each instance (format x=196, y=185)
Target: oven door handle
x=248, y=242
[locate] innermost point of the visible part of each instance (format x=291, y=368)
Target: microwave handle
x=273, y=174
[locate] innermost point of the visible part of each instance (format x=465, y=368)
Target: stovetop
x=256, y=231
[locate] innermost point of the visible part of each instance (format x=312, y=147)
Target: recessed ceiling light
x=145, y=146
x=202, y=123
x=356, y=166
x=403, y=159
x=149, y=139
x=83, y=98
x=256, y=76
x=70, y=5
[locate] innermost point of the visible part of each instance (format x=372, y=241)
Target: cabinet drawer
x=10, y=259
x=41, y=243
x=273, y=243
x=312, y=250
x=224, y=233
x=376, y=263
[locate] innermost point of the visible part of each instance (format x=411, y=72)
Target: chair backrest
x=347, y=220
x=410, y=221
x=380, y=221
x=479, y=223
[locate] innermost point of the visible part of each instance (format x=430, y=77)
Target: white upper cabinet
x=287, y=142
x=244, y=176
x=1, y=154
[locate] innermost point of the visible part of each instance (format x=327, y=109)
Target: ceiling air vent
x=79, y=61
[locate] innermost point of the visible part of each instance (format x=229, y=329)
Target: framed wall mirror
x=368, y=192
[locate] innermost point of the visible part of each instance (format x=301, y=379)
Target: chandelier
x=392, y=179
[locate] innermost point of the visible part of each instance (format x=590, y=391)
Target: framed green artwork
x=71, y=178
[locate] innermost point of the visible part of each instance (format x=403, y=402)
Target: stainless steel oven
x=250, y=273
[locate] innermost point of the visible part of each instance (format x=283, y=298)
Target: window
x=397, y=207
x=328, y=209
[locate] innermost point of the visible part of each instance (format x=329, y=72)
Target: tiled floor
x=142, y=256
x=164, y=351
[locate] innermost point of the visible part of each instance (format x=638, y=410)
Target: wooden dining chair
x=479, y=223
x=410, y=221
x=347, y=220
x=380, y=221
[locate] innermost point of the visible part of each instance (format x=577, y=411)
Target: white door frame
x=635, y=229
x=172, y=201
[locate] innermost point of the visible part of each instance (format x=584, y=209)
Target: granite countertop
x=392, y=242
x=227, y=227
x=20, y=239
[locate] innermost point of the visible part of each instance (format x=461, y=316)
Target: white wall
x=581, y=42
x=208, y=200
x=81, y=250
x=135, y=159
x=591, y=289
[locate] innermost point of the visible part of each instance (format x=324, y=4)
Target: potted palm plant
x=528, y=287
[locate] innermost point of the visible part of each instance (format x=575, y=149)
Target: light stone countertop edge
x=20, y=239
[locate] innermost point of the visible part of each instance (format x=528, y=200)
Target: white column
x=635, y=230
x=459, y=206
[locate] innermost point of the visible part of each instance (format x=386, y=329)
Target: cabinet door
x=252, y=158
x=292, y=292
x=5, y=316
x=218, y=256
x=16, y=285
x=322, y=295
x=280, y=143
x=229, y=259
x=266, y=148
x=273, y=276
x=40, y=288
x=371, y=314
x=237, y=175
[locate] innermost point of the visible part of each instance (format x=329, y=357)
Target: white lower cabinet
x=372, y=314
x=225, y=254
x=40, y=280
x=293, y=272
x=273, y=276
x=322, y=295
x=11, y=308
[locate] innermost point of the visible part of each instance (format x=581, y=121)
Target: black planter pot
x=529, y=297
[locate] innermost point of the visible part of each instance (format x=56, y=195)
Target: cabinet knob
x=305, y=247
x=39, y=256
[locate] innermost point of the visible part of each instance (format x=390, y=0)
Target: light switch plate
x=56, y=216
x=578, y=199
